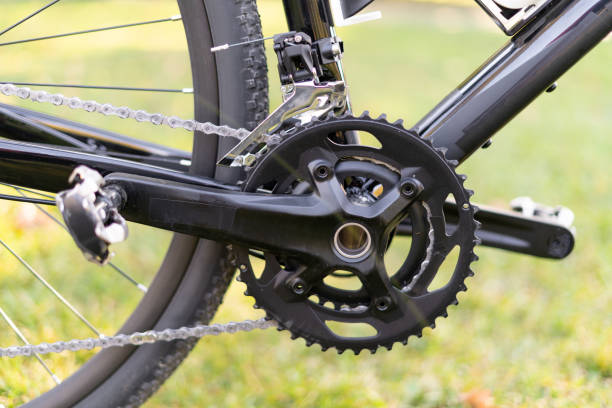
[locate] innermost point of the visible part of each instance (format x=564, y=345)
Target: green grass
x=535, y=333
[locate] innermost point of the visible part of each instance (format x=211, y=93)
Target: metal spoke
x=51, y=289
x=27, y=343
x=94, y=30
x=112, y=88
x=27, y=190
x=133, y=281
x=28, y=17
x=27, y=199
x=140, y=286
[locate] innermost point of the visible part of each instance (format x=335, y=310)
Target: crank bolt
x=322, y=172
x=383, y=303
x=298, y=286
x=411, y=188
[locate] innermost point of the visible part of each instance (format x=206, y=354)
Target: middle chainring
x=375, y=187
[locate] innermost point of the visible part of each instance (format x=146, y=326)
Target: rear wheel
x=229, y=88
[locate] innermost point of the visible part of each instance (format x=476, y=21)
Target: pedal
x=531, y=229
x=91, y=214
x=529, y=208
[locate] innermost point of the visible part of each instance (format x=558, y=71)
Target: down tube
x=532, y=61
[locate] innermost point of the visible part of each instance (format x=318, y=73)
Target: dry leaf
x=29, y=217
x=478, y=399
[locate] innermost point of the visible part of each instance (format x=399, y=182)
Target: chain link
x=137, y=339
x=122, y=112
x=151, y=336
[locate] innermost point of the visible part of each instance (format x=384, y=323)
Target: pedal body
x=91, y=214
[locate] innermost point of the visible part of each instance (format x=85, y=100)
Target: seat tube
x=314, y=18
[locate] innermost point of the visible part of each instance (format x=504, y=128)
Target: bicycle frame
x=462, y=122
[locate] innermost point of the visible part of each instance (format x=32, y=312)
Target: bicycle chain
x=137, y=338
x=150, y=336
x=122, y=112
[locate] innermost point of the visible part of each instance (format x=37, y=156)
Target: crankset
x=369, y=191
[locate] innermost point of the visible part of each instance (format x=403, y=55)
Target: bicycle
x=302, y=165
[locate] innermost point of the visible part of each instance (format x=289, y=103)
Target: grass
x=531, y=332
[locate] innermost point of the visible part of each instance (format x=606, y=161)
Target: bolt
x=382, y=303
x=336, y=50
x=249, y=159
x=298, y=286
x=273, y=139
x=322, y=172
x=411, y=188
x=298, y=38
x=286, y=89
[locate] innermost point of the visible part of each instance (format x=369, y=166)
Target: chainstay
x=137, y=339
x=122, y=112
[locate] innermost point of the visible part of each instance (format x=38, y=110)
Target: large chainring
x=374, y=189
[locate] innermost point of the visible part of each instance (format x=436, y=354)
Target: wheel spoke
x=133, y=281
x=25, y=341
x=23, y=20
x=27, y=199
x=51, y=289
x=93, y=30
x=27, y=190
x=112, y=88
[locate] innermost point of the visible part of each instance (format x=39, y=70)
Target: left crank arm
x=262, y=221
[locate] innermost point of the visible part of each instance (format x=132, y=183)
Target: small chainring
x=398, y=175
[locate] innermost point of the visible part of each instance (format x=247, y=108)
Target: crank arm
x=532, y=235
x=261, y=221
x=303, y=101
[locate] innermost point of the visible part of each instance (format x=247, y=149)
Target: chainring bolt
x=298, y=286
x=322, y=172
x=383, y=303
x=411, y=188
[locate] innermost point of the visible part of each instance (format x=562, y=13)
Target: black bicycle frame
x=466, y=119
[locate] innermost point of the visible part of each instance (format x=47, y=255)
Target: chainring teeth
x=466, y=221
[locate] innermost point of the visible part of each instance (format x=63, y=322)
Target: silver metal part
x=122, y=112
x=303, y=102
x=87, y=213
x=529, y=208
x=352, y=240
x=136, y=339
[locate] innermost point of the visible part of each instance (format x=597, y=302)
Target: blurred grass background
x=528, y=332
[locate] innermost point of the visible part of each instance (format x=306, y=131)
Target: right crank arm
x=540, y=236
